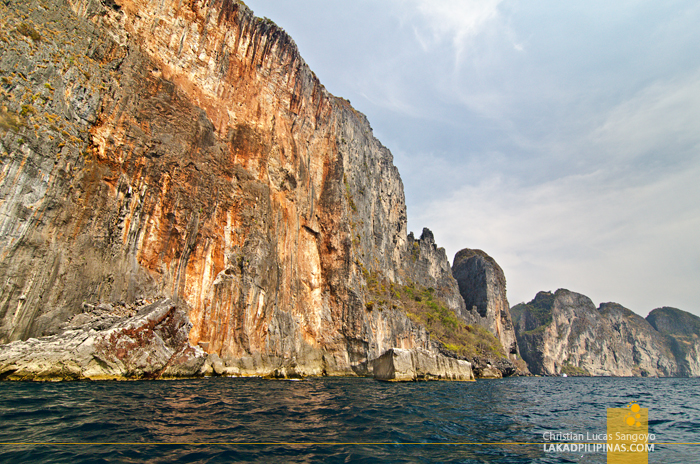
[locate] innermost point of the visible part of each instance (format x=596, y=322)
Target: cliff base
x=399, y=365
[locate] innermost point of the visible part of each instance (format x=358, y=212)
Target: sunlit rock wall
x=185, y=150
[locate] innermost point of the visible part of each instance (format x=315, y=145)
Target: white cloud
x=662, y=119
x=594, y=186
x=611, y=239
x=454, y=21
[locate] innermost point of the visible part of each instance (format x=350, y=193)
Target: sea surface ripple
x=333, y=420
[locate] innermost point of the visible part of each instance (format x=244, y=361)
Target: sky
x=560, y=137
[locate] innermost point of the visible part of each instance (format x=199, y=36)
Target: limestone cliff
x=397, y=365
x=185, y=150
x=682, y=332
x=427, y=265
x=565, y=333
x=482, y=285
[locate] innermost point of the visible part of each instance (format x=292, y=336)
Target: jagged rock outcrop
x=482, y=285
x=104, y=343
x=563, y=332
x=427, y=265
x=397, y=365
x=185, y=149
x=496, y=367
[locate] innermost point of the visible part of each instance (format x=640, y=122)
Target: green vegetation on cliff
x=574, y=371
x=424, y=308
x=536, y=315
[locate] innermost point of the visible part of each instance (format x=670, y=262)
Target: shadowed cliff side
x=482, y=285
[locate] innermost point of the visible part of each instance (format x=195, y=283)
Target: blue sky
x=562, y=138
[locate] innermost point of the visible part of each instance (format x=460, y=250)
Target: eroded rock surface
x=185, y=149
x=682, y=332
x=103, y=343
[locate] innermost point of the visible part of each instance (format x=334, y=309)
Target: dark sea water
x=333, y=420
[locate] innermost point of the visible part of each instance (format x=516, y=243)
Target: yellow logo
x=634, y=415
x=628, y=435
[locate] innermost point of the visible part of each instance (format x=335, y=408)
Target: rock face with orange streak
x=185, y=150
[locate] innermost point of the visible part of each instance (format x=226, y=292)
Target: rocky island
x=181, y=196
x=564, y=333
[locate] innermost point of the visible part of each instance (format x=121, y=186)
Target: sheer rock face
x=565, y=332
x=184, y=149
x=482, y=285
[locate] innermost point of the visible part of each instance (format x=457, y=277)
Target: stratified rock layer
x=482, y=285
x=565, y=333
x=185, y=149
x=397, y=365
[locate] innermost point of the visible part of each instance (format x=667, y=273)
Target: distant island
x=564, y=333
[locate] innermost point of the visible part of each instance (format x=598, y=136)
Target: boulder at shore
x=398, y=365
x=99, y=344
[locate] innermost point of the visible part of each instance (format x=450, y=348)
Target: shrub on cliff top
x=9, y=121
